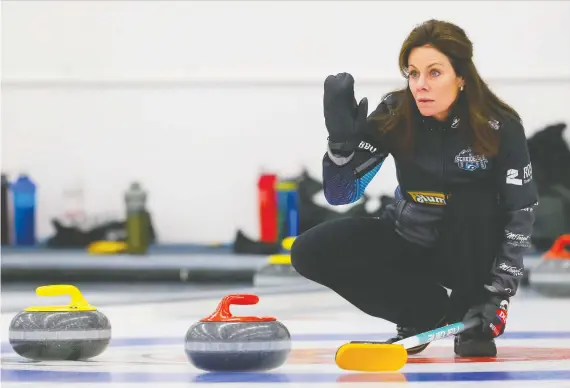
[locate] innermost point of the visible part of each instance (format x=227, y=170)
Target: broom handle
x=439, y=333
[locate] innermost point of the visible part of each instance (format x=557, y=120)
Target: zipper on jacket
x=443, y=164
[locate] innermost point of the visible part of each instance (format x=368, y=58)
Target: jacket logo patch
x=455, y=122
x=513, y=175
x=428, y=197
x=517, y=272
x=367, y=146
x=469, y=161
x=494, y=124
x=518, y=239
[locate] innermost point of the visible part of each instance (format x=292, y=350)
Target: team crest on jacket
x=469, y=161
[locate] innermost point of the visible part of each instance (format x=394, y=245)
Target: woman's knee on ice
x=307, y=254
x=300, y=254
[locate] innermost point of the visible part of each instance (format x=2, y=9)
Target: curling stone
x=222, y=342
x=278, y=270
x=551, y=276
x=73, y=332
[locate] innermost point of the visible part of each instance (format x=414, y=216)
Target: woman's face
x=432, y=81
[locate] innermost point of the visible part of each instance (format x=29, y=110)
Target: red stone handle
x=223, y=313
x=560, y=249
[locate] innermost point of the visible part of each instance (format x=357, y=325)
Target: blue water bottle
x=288, y=209
x=24, y=200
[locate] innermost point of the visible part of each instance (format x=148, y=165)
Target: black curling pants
x=367, y=263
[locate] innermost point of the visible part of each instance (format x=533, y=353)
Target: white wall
x=195, y=98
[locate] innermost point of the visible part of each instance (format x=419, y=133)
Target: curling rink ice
x=147, y=349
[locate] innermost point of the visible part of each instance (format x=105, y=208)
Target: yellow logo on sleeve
x=428, y=197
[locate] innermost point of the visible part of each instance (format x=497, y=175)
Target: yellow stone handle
x=283, y=258
x=78, y=302
x=280, y=259
x=287, y=243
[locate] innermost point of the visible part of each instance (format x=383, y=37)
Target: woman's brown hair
x=477, y=103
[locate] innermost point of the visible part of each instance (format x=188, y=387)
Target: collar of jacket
x=452, y=121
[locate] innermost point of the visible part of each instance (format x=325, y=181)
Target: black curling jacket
x=442, y=160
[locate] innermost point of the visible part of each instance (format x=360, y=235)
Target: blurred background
x=183, y=140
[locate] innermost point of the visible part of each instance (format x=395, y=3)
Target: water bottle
x=288, y=203
x=5, y=213
x=74, y=205
x=24, y=200
x=138, y=233
x=267, y=197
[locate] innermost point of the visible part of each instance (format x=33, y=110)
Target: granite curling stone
x=48, y=333
x=226, y=343
x=551, y=276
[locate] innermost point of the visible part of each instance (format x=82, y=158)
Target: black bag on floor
x=550, y=156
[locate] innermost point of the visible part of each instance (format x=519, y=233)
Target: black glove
x=493, y=314
x=344, y=119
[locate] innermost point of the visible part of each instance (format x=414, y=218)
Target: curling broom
x=370, y=356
